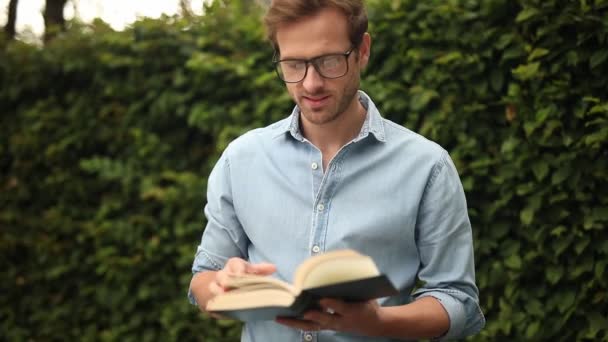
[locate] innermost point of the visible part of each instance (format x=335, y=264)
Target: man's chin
x=319, y=118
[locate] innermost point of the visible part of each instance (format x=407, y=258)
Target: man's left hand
x=360, y=318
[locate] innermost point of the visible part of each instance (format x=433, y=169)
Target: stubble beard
x=328, y=115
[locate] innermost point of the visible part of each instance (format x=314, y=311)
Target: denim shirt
x=389, y=193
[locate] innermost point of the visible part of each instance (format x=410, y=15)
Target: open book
x=343, y=274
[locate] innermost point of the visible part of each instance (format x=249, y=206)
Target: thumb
x=261, y=269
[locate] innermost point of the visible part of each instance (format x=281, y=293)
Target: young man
x=333, y=175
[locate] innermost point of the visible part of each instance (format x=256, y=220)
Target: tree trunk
x=12, y=20
x=54, y=21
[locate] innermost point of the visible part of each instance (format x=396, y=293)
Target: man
x=334, y=175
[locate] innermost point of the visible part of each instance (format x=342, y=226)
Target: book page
x=240, y=300
x=334, y=267
x=249, y=282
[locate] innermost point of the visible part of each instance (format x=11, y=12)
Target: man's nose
x=313, y=80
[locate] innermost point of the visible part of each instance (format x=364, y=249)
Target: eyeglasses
x=293, y=70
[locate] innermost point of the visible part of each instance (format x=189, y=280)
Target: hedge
x=106, y=140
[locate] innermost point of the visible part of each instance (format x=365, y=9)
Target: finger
x=323, y=319
x=261, y=269
x=222, y=279
x=236, y=266
x=299, y=324
x=218, y=316
x=215, y=288
x=334, y=306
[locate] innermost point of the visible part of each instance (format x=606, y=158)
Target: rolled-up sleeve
x=445, y=243
x=223, y=236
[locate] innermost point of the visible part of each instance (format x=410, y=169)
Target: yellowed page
x=334, y=267
x=239, y=300
x=250, y=282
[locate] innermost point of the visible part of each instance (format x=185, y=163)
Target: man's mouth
x=316, y=101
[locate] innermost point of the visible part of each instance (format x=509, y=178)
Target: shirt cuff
x=202, y=263
x=456, y=313
x=191, y=298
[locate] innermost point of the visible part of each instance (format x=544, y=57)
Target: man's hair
x=289, y=11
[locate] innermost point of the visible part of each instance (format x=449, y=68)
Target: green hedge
x=106, y=140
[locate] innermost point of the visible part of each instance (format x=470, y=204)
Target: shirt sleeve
x=223, y=236
x=445, y=244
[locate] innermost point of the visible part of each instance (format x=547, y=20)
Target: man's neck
x=331, y=136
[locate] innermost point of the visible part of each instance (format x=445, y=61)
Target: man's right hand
x=237, y=266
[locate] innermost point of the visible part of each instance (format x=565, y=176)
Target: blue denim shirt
x=389, y=193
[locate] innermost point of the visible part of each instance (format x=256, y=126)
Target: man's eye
x=330, y=62
x=294, y=65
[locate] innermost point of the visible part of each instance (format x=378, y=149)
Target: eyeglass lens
x=329, y=66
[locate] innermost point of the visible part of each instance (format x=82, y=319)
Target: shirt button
x=308, y=337
x=320, y=207
x=314, y=166
x=316, y=249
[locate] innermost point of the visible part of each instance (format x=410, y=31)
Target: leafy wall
x=106, y=139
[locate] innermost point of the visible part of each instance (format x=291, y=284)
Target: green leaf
x=558, y=231
x=596, y=323
x=554, y=273
x=591, y=99
x=527, y=215
x=527, y=71
x=526, y=188
x=526, y=14
x=600, y=213
x=513, y=262
x=540, y=169
x=600, y=108
x=532, y=329
x=509, y=144
x=582, y=266
x=560, y=175
x=449, y=57
x=504, y=40
x=598, y=58
x=536, y=308
x=420, y=98
x=537, y=53
x=497, y=79
x=543, y=114
x=566, y=302
x=597, y=137
x=572, y=58
x=581, y=244
x=560, y=245
x=531, y=126
x=599, y=268
x=513, y=52
x=604, y=246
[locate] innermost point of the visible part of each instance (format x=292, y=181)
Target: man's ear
x=364, y=50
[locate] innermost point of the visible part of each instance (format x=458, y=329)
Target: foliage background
x=106, y=140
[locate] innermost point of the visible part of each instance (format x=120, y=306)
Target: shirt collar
x=373, y=122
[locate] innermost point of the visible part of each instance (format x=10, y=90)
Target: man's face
x=323, y=100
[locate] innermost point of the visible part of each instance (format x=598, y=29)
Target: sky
x=118, y=13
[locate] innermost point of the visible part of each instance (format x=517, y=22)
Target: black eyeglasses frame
x=311, y=61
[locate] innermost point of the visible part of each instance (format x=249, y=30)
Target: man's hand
x=358, y=318
x=237, y=266
x=208, y=284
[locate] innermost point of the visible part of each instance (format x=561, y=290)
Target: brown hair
x=288, y=11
